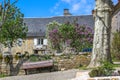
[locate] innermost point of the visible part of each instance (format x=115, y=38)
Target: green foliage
x=105, y=70
x=116, y=46
x=108, y=67
x=3, y=75
x=53, y=25
x=1, y=57
x=12, y=26
x=54, y=41
x=44, y=57
x=75, y=36
x=35, y=58
x=7, y=59
x=67, y=31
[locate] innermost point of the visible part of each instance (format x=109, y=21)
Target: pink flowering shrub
x=73, y=35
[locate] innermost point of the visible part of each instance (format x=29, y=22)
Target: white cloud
x=75, y=7
x=55, y=7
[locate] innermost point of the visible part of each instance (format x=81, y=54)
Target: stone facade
x=27, y=45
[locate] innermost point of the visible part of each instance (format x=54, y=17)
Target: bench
x=37, y=65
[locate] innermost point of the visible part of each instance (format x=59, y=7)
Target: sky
x=50, y=8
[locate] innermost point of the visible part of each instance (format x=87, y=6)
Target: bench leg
x=26, y=72
x=51, y=69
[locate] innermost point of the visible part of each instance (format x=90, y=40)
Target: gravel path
x=60, y=75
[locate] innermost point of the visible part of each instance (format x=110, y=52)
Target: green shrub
x=2, y=75
x=97, y=72
x=116, y=46
x=34, y=58
x=45, y=57
x=109, y=68
x=105, y=70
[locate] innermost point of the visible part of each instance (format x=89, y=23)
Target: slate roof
x=37, y=26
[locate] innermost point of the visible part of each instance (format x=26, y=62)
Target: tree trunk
x=14, y=70
x=101, y=42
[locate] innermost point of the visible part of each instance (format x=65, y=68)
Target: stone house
x=36, y=39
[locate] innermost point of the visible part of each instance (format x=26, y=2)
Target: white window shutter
x=45, y=42
x=35, y=41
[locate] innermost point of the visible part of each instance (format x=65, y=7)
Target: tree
x=53, y=36
x=101, y=42
x=73, y=35
x=11, y=29
x=76, y=36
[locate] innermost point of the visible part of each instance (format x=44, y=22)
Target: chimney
x=67, y=13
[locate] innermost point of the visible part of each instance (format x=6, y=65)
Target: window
x=40, y=42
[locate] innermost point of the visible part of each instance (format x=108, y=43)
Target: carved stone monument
x=101, y=43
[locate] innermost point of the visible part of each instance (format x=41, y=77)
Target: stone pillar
x=101, y=42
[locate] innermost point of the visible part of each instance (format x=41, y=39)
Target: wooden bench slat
x=36, y=66
x=32, y=65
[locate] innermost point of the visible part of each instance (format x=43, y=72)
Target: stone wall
x=70, y=62
x=63, y=62
x=26, y=46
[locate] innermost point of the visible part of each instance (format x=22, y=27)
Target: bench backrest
x=32, y=65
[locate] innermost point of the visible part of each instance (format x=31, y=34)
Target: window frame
x=40, y=41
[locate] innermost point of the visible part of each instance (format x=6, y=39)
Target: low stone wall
x=70, y=61
x=62, y=62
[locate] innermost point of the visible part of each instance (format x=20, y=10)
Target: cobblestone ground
x=60, y=75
